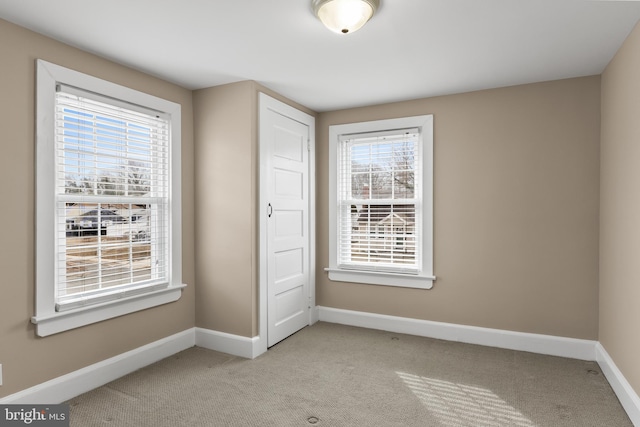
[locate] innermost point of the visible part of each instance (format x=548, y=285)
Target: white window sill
x=380, y=278
x=54, y=322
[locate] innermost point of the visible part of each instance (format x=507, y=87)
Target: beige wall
x=28, y=360
x=227, y=170
x=516, y=211
x=225, y=205
x=620, y=210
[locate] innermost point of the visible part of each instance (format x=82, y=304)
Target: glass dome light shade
x=345, y=16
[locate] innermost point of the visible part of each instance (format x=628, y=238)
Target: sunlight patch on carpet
x=459, y=405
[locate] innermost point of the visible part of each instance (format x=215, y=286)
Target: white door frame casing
x=268, y=103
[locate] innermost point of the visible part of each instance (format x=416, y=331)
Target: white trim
x=237, y=345
x=268, y=103
x=47, y=320
x=425, y=277
x=534, y=343
x=626, y=394
x=52, y=323
x=75, y=383
x=315, y=314
x=381, y=278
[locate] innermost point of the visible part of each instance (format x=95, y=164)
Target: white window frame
x=424, y=278
x=48, y=321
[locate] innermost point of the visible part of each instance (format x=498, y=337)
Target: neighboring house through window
x=108, y=200
x=381, y=202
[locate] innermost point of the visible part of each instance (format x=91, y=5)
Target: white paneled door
x=286, y=143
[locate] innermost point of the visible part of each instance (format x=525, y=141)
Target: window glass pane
x=377, y=178
x=112, y=188
x=384, y=234
x=104, y=150
x=104, y=246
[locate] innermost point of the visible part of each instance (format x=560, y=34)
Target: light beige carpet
x=334, y=375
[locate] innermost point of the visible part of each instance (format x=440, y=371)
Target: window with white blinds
x=381, y=202
x=108, y=200
x=379, y=199
x=111, y=192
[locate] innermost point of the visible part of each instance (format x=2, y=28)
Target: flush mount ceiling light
x=344, y=16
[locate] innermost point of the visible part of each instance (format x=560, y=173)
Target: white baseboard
x=626, y=394
x=249, y=348
x=315, y=315
x=75, y=383
x=534, y=343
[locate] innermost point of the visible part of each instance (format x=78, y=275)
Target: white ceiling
x=410, y=49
